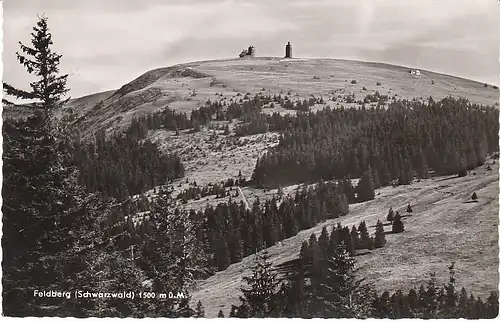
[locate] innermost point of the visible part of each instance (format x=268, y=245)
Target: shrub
x=354, y=81
x=379, y=83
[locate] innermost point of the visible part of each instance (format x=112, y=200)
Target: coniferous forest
x=125, y=165
x=75, y=217
x=394, y=144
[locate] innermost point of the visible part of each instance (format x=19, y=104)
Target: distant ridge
x=187, y=86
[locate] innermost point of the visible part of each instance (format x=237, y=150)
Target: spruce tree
x=269, y=229
x=342, y=294
x=384, y=174
x=492, y=306
x=462, y=165
x=365, y=188
x=422, y=169
x=409, y=209
x=45, y=212
x=220, y=314
x=354, y=239
x=41, y=62
x=172, y=256
x=364, y=236
x=315, y=258
x=379, y=235
x=262, y=297
x=449, y=307
x=295, y=296
x=304, y=251
x=200, y=311
x=376, y=179
x=412, y=300
x=323, y=240
x=390, y=215
x=463, y=304
x=333, y=239
x=236, y=251
x=397, y=224
x=430, y=298
x=222, y=255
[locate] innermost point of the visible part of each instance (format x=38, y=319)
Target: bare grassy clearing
x=210, y=158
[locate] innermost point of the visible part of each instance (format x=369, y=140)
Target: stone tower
x=288, y=50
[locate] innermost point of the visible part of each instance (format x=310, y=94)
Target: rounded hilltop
x=339, y=82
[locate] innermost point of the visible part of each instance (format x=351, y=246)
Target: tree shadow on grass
x=471, y=201
x=391, y=232
x=448, y=178
x=383, y=224
x=365, y=252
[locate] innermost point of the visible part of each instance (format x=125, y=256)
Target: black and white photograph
x=250, y=159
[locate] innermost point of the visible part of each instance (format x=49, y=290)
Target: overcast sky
x=107, y=43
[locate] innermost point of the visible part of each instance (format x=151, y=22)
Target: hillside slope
x=444, y=228
x=187, y=86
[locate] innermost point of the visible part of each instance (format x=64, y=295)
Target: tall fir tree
x=449, y=307
x=354, y=238
x=42, y=63
x=379, y=235
x=45, y=212
x=262, y=298
x=409, y=209
x=364, y=236
x=342, y=294
x=431, y=298
x=390, y=215
x=200, y=310
x=397, y=224
x=365, y=190
x=384, y=174
x=295, y=296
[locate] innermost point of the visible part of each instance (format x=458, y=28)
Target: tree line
x=233, y=232
x=408, y=139
x=246, y=109
x=123, y=166
x=326, y=284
